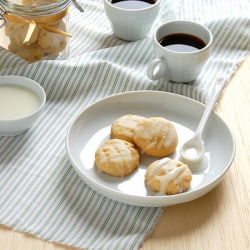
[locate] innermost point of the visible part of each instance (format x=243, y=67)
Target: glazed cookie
x=50, y=42
x=30, y=53
x=156, y=136
x=17, y=33
x=117, y=157
x=125, y=126
x=168, y=176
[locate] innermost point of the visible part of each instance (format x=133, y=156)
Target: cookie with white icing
x=167, y=176
x=124, y=127
x=156, y=136
x=117, y=157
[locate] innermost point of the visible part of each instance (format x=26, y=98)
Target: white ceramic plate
x=92, y=127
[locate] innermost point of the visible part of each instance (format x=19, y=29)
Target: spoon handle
x=215, y=94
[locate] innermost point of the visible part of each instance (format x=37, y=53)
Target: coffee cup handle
x=160, y=66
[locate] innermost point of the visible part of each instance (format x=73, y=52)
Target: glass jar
x=35, y=29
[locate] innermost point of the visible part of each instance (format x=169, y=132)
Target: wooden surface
x=218, y=220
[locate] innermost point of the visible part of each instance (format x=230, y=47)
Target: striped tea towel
x=40, y=192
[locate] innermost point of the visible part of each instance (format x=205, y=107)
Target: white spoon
x=193, y=149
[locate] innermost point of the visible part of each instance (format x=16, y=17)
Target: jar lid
x=30, y=2
x=33, y=7
x=33, y=16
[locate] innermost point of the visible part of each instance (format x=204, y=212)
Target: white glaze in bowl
x=13, y=127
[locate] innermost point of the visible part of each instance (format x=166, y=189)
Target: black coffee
x=133, y=4
x=181, y=42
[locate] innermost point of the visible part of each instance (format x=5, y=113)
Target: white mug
x=131, y=24
x=174, y=65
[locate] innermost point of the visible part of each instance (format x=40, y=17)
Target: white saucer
x=92, y=127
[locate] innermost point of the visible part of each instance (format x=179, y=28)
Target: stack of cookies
x=154, y=136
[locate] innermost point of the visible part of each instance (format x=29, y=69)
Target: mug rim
x=108, y=2
x=208, y=45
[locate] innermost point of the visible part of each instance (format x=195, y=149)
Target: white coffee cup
x=131, y=24
x=179, y=66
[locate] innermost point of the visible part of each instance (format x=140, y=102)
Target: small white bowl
x=16, y=126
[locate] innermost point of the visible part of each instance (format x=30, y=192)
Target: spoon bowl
x=193, y=149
